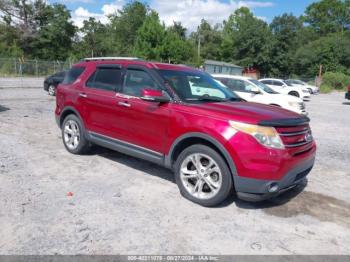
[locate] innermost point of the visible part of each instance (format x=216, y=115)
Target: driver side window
x=136, y=80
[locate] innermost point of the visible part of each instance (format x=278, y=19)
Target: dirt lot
x=121, y=205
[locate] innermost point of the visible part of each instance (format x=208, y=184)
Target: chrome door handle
x=83, y=95
x=125, y=104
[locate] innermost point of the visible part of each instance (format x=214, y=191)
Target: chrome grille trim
x=298, y=144
x=295, y=133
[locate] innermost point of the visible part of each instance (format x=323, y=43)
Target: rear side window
x=106, y=79
x=73, y=74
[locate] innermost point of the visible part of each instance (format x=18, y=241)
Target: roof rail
x=110, y=58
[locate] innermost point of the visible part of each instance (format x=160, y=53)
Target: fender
x=218, y=145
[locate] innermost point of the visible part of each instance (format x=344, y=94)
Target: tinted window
x=136, y=80
x=277, y=83
x=106, y=79
x=237, y=84
x=73, y=74
x=59, y=74
x=266, y=82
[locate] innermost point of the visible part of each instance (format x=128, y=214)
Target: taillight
x=349, y=88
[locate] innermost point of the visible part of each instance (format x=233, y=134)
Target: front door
x=144, y=123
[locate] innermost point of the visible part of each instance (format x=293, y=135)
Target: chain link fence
x=19, y=67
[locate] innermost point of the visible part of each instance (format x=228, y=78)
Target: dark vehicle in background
x=347, y=95
x=51, y=82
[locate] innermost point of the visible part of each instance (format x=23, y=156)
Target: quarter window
x=106, y=79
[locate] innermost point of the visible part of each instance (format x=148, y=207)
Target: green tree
x=285, y=29
x=178, y=29
x=332, y=52
x=55, y=34
x=328, y=16
x=247, y=40
x=210, y=38
x=150, y=38
x=94, y=39
x=175, y=49
x=124, y=26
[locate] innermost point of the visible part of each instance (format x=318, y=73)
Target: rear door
x=143, y=123
x=98, y=98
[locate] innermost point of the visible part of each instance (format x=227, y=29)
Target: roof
x=220, y=63
x=231, y=76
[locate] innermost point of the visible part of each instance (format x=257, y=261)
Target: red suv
x=181, y=118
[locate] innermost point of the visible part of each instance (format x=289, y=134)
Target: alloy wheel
x=71, y=134
x=201, y=176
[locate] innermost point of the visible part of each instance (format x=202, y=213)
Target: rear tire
x=294, y=93
x=203, y=176
x=73, y=135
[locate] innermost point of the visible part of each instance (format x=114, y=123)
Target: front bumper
x=347, y=95
x=255, y=190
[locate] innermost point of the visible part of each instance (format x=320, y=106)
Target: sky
x=188, y=12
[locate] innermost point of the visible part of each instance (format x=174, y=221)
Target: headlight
x=267, y=136
x=293, y=104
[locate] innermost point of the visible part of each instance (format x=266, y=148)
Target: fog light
x=273, y=188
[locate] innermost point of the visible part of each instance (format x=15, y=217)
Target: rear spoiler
x=287, y=122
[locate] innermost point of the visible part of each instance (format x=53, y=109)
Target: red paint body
x=156, y=126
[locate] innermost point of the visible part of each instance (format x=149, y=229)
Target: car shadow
x=135, y=163
x=166, y=174
x=3, y=108
x=346, y=103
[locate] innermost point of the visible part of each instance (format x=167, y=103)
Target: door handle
x=83, y=95
x=125, y=104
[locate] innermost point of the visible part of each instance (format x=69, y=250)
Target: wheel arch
x=189, y=139
x=68, y=110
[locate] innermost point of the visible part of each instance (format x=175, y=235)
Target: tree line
x=289, y=45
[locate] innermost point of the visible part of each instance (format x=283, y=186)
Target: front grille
x=302, y=106
x=296, y=137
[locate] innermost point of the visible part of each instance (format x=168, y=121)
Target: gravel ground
x=122, y=205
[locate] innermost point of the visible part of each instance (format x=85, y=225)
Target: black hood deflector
x=286, y=122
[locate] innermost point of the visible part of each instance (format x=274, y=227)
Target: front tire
x=73, y=135
x=51, y=90
x=294, y=93
x=203, y=176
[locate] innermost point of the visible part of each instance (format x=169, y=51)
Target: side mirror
x=255, y=90
x=153, y=95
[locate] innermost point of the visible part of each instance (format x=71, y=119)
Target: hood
x=300, y=87
x=287, y=98
x=247, y=112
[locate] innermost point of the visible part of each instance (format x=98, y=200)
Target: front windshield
x=289, y=82
x=298, y=82
x=263, y=86
x=192, y=86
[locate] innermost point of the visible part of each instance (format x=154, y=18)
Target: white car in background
x=252, y=90
x=295, y=82
x=282, y=87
